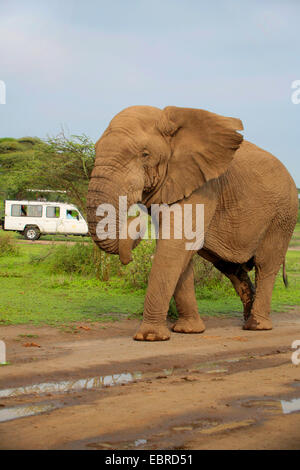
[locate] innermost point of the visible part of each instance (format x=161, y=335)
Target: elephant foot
x=149, y=332
x=257, y=323
x=189, y=325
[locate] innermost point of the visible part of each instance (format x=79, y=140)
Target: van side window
x=53, y=212
x=16, y=210
x=71, y=214
x=34, y=211
x=21, y=210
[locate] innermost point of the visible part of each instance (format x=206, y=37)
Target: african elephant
x=182, y=155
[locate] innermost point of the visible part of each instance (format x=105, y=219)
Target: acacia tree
x=16, y=160
x=65, y=164
x=57, y=163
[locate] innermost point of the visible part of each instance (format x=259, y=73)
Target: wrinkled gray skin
x=181, y=155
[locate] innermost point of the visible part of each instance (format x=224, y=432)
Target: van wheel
x=32, y=233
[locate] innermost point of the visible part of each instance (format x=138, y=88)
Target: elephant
x=192, y=156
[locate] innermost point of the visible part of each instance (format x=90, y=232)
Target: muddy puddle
x=175, y=437
x=291, y=406
x=93, y=383
x=160, y=438
x=124, y=378
x=16, y=412
x=271, y=405
x=72, y=385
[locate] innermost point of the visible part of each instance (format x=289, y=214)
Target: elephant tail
x=284, y=275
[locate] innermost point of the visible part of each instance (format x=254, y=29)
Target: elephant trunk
x=107, y=190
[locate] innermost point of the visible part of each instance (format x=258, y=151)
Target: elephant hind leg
x=268, y=259
x=241, y=282
x=189, y=319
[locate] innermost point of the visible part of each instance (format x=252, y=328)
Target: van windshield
x=72, y=214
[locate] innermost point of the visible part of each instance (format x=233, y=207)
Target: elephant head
x=157, y=156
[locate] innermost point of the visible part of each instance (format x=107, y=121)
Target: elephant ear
x=203, y=145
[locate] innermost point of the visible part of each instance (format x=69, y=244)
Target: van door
x=74, y=223
x=52, y=219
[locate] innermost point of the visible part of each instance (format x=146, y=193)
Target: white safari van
x=33, y=218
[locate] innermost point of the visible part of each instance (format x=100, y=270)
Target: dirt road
x=99, y=389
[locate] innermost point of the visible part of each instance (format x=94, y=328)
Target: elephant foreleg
x=189, y=320
x=170, y=261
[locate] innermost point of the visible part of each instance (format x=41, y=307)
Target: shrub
x=80, y=258
x=86, y=259
x=137, y=272
x=208, y=279
x=29, y=140
x=8, y=245
x=9, y=145
x=106, y=265
x=77, y=259
x=205, y=273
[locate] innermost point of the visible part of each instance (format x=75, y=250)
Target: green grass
x=31, y=293
x=55, y=238
x=224, y=301
x=295, y=242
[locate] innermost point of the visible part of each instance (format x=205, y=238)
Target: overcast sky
x=75, y=64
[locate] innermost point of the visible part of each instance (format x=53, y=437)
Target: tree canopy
x=57, y=163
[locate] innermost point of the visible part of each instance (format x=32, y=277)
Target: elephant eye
x=145, y=153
